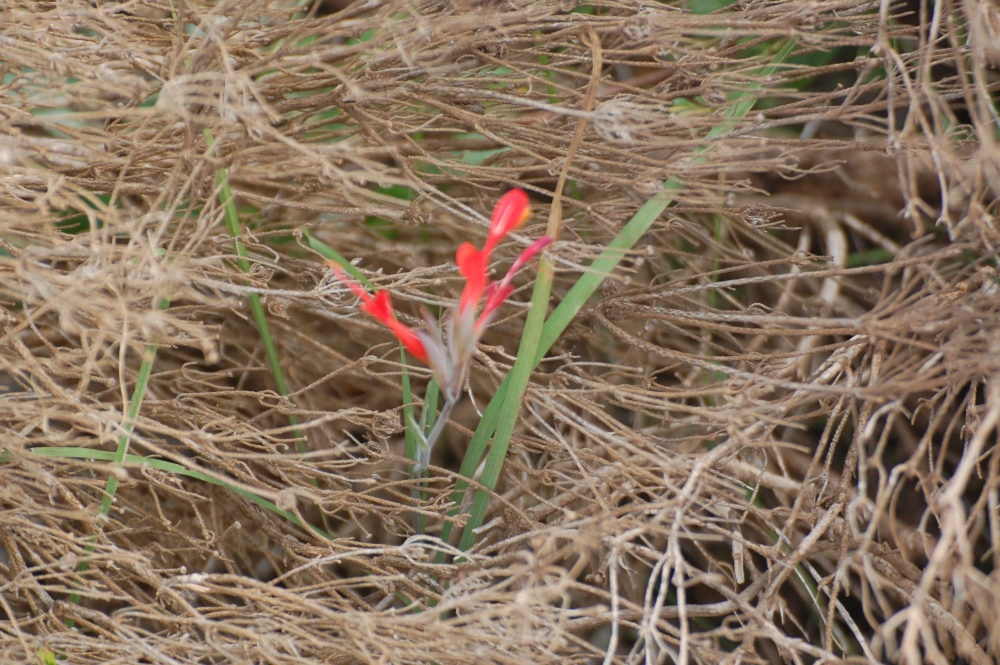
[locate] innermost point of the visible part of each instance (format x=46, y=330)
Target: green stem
x=234, y=227
x=120, y=454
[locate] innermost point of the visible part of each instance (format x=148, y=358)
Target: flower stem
x=427, y=444
x=423, y=453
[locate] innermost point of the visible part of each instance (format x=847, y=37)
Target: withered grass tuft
x=761, y=382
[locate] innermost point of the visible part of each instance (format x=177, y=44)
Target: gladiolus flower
x=448, y=354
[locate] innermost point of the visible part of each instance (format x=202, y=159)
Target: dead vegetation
x=769, y=437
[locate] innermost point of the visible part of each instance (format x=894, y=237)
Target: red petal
x=496, y=298
x=470, y=260
x=499, y=291
x=472, y=264
x=408, y=339
x=528, y=254
x=380, y=307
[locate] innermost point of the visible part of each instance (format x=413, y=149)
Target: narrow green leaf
x=172, y=467
x=511, y=405
x=498, y=421
x=121, y=453
x=234, y=227
x=428, y=414
x=328, y=252
x=409, y=418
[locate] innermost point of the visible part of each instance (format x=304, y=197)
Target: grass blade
x=171, y=467
x=235, y=229
x=119, y=455
x=498, y=422
x=511, y=403
x=409, y=417
x=328, y=252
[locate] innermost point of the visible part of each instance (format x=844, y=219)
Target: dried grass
x=746, y=405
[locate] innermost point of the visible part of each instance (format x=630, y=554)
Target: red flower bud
x=509, y=213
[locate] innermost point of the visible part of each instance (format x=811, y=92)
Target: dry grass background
x=770, y=437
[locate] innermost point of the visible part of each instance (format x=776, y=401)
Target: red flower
x=380, y=307
x=449, y=355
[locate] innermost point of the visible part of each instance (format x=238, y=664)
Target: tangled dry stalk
x=769, y=438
